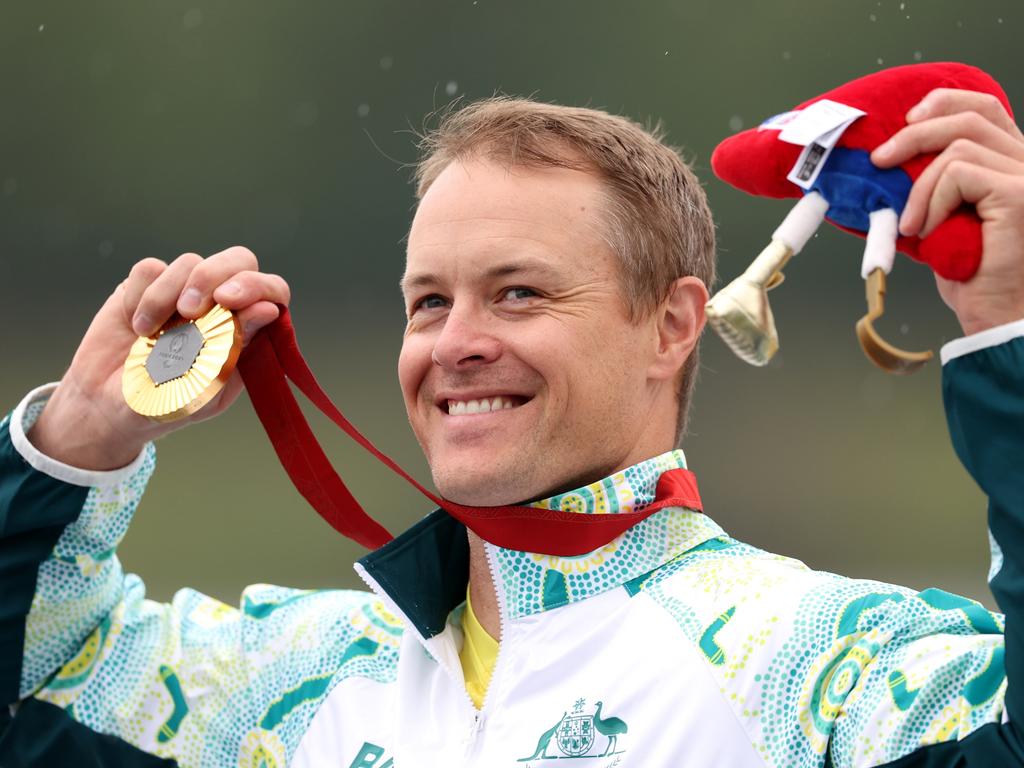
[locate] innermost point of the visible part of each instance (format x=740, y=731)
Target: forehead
x=477, y=209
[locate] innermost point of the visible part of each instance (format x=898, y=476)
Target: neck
x=481, y=588
x=611, y=495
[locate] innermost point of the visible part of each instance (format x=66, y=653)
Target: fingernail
x=141, y=324
x=884, y=149
x=190, y=300
x=917, y=112
x=903, y=225
x=231, y=289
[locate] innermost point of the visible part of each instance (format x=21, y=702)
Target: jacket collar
x=423, y=573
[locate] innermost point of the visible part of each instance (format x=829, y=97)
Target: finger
x=197, y=296
x=159, y=299
x=257, y=316
x=951, y=101
x=245, y=288
x=936, y=134
x=141, y=276
x=916, y=209
x=960, y=182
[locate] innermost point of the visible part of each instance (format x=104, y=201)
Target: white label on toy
x=777, y=122
x=808, y=166
x=817, y=149
x=818, y=120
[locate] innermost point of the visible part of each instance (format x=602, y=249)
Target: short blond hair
x=660, y=223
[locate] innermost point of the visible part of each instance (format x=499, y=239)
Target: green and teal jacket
x=674, y=644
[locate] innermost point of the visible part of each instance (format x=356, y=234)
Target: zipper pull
x=474, y=731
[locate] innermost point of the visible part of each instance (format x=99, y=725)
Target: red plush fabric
x=756, y=161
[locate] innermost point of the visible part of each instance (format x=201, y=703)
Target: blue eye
x=519, y=293
x=431, y=302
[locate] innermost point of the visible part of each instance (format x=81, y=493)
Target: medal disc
x=179, y=369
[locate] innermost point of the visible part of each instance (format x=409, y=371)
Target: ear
x=679, y=321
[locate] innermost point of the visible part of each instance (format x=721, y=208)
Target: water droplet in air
x=917, y=55
x=386, y=62
x=105, y=249
x=193, y=18
x=735, y=123
x=786, y=55
x=666, y=53
x=1000, y=21
x=452, y=88
x=903, y=6
x=872, y=17
x=880, y=60
x=363, y=110
x=43, y=26
x=10, y=186
x=904, y=329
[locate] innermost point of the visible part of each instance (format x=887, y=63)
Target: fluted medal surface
x=178, y=370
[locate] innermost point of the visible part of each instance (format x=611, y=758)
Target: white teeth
x=485, y=405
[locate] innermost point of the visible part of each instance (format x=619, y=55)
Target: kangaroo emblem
x=575, y=735
x=541, y=753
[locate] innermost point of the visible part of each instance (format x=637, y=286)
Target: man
x=554, y=286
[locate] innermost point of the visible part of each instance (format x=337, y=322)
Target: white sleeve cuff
x=22, y=419
x=990, y=337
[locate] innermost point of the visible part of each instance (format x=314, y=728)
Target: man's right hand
x=87, y=423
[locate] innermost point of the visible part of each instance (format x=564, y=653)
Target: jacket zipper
x=480, y=715
x=477, y=724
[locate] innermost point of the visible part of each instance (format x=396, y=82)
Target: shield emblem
x=575, y=736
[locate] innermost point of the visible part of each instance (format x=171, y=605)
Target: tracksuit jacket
x=673, y=645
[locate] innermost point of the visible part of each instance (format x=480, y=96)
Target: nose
x=466, y=340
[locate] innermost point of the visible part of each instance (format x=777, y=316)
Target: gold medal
x=178, y=370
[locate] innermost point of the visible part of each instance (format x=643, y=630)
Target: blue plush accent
x=854, y=187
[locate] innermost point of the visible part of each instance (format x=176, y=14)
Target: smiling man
x=555, y=283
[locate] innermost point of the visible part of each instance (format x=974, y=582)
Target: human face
x=512, y=293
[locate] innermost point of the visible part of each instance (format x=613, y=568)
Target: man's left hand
x=981, y=162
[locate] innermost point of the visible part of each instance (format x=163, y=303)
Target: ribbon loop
x=272, y=358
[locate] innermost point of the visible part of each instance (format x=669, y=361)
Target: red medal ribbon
x=272, y=358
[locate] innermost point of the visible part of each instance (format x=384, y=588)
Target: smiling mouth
x=483, y=405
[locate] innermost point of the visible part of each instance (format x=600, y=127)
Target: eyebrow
x=422, y=279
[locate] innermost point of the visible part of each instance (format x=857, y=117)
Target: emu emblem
x=575, y=734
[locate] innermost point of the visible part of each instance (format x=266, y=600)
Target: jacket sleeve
x=59, y=527
x=90, y=666
x=955, y=696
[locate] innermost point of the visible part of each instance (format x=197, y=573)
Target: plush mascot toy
x=820, y=152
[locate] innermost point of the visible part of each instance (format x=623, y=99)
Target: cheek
x=413, y=364
x=610, y=368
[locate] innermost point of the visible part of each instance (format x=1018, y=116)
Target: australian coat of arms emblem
x=579, y=734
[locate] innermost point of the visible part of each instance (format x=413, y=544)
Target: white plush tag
x=777, y=122
x=832, y=119
x=809, y=164
x=818, y=120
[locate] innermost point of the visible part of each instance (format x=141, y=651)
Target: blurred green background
x=143, y=128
